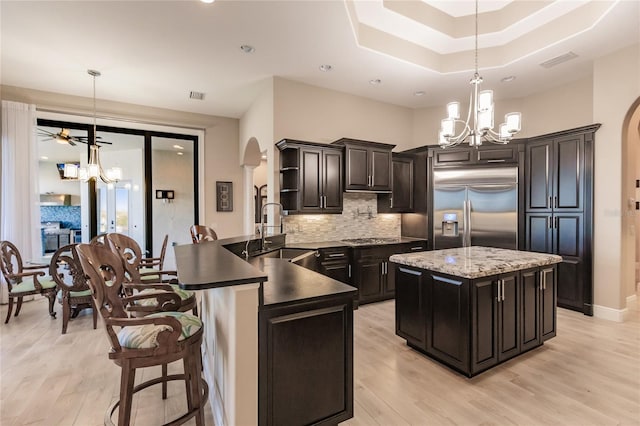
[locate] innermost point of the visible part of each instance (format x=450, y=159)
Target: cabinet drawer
x=333, y=254
x=446, y=157
x=507, y=154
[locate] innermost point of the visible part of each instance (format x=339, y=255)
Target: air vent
x=196, y=95
x=558, y=60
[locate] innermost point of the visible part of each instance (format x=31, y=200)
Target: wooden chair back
x=200, y=233
x=156, y=262
x=129, y=252
x=106, y=276
x=99, y=239
x=10, y=263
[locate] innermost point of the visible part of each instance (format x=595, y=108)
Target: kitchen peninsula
x=278, y=345
x=472, y=308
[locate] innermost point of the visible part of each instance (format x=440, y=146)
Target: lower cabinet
x=306, y=363
x=473, y=324
x=372, y=271
x=335, y=263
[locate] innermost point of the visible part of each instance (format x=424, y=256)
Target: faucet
x=263, y=226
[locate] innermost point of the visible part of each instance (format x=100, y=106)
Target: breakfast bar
x=472, y=308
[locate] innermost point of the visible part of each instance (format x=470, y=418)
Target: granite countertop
x=354, y=242
x=475, y=262
x=289, y=283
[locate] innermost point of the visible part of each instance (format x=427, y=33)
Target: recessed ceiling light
x=509, y=78
x=375, y=81
x=207, y=1
x=180, y=153
x=419, y=93
x=247, y=49
x=325, y=67
x=178, y=147
x=44, y=157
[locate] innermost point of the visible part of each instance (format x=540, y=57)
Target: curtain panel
x=19, y=199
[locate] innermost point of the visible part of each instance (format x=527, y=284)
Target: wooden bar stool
x=155, y=339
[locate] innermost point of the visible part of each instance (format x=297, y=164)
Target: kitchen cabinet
x=372, y=274
x=311, y=177
x=559, y=209
x=334, y=263
x=400, y=200
x=482, y=155
x=367, y=165
x=474, y=324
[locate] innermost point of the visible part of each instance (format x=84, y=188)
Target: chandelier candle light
x=480, y=112
x=94, y=168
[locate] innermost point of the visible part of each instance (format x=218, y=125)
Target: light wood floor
x=589, y=374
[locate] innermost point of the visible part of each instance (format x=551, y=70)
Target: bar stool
x=153, y=340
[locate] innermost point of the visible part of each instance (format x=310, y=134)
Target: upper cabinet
x=311, y=178
x=400, y=200
x=367, y=165
x=482, y=155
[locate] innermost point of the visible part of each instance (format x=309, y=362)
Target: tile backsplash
x=68, y=216
x=359, y=219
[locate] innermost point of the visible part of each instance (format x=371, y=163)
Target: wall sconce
x=166, y=195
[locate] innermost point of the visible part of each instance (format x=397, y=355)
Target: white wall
x=50, y=182
x=616, y=85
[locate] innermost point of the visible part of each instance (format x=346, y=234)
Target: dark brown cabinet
x=311, y=179
x=401, y=198
x=475, y=324
x=372, y=274
x=335, y=263
x=485, y=154
x=367, y=165
x=559, y=209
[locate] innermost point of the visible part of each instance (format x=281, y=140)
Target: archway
x=630, y=199
x=250, y=160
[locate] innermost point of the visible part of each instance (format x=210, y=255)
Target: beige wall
x=220, y=144
x=314, y=114
x=616, y=85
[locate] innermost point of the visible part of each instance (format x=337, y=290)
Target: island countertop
x=475, y=262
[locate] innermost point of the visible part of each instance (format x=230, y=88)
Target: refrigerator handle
x=467, y=225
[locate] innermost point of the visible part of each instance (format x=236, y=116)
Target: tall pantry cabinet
x=559, y=209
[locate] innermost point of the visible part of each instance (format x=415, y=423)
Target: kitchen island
x=278, y=345
x=472, y=308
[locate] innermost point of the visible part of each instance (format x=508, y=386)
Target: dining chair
x=98, y=239
x=201, y=233
x=131, y=255
x=24, y=280
x=74, y=293
x=149, y=266
x=156, y=339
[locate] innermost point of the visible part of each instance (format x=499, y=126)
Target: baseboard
x=631, y=299
x=610, y=314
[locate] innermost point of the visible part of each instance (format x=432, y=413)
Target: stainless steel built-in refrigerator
x=476, y=207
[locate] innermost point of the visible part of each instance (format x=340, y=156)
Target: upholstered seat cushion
x=74, y=294
x=146, y=336
x=27, y=285
x=154, y=277
x=184, y=295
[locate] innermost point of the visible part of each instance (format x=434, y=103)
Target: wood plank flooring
x=589, y=374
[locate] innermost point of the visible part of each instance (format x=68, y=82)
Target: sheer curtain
x=19, y=198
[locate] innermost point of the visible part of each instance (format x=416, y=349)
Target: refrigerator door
x=449, y=216
x=493, y=215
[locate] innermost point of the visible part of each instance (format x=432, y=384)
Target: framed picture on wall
x=224, y=196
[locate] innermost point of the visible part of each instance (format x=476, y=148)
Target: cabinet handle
x=557, y=222
x=493, y=161
x=541, y=280
x=502, y=292
x=544, y=280
x=349, y=270
x=337, y=255
x=550, y=201
x=325, y=201
x=410, y=271
x=499, y=289
x=416, y=248
x=555, y=202
x=391, y=202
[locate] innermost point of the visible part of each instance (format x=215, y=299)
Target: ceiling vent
x=196, y=95
x=558, y=60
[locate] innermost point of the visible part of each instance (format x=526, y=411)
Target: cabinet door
x=380, y=170
x=357, y=168
x=568, y=243
x=484, y=324
x=368, y=278
x=389, y=279
x=332, y=180
x=548, y=303
x=448, y=321
x=503, y=154
x=539, y=228
x=530, y=309
x=310, y=179
x=539, y=176
x=401, y=199
x=568, y=185
x=336, y=270
x=410, y=305
x=509, y=317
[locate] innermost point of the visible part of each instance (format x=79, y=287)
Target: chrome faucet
x=263, y=226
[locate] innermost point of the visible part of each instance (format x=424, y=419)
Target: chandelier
x=94, y=170
x=478, y=126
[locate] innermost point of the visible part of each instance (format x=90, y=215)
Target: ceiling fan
x=64, y=137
